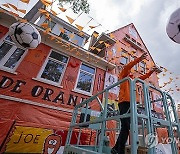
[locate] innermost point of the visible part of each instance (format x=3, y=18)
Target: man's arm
x=127, y=68
x=147, y=75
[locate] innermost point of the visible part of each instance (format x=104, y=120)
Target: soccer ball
x=173, y=26
x=24, y=35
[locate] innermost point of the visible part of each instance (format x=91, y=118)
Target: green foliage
x=77, y=5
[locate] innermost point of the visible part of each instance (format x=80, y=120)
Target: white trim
x=8, y=55
x=47, y=82
x=57, y=84
x=25, y=101
x=81, y=92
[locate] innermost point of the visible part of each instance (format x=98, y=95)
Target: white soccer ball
x=173, y=26
x=24, y=35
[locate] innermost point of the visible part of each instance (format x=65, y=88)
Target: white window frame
x=9, y=53
x=140, y=66
x=93, y=80
x=39, y=78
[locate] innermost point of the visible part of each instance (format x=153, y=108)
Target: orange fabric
x=124, y=93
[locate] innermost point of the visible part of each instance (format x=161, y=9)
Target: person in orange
x=124, y=103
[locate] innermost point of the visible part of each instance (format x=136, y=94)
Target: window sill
x=46, y=82
x=81, y=92
x=9, y=71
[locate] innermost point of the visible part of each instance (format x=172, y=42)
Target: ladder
x=148, y=122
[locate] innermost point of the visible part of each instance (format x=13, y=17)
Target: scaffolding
x=145, y=121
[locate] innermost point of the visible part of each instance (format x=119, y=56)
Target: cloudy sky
x=149, y=17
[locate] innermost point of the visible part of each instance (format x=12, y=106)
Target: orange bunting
x=46, y=2
x=98, y=49
x=107, y=45
x=81, y=33
x=92, y=48
x=45, y=25
x=95, y=35
x=70, y=19
x=42, y=11
x=62, y=9
x=92, y=27
x=53, y=12
x=14, y=14
x=112, y=36
x=6, y=5
x=101, y=42
x=62, y=30
x=47, y=31
x=22, y=11
x=25, y=1
x=80, y=28
x=71, y=35
x=75, y=41
x=13, y=6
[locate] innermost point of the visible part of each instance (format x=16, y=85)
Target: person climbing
x=124, y=102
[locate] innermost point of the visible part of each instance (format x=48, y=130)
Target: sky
x=150, y=18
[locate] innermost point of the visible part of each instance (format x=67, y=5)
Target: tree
x=77, y=5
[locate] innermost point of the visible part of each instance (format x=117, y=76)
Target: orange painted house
x=39, y=88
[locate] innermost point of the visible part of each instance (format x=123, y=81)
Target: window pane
x=79, y=39
x=65, y=35
x=58, y=56
x=124, y=60
x=52, y=71
x=87, y=68
x=84, y=82
x=51, y=24
x=14, y=58
x=4, y=48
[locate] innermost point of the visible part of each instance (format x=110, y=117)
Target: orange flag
x=46, y=2
x=80, y=28
x=22, y=11
x=25, y=1
x=107, y=45
x=23, y=20
x=62, y=30
x=13, y=6
x=42, y=11
x=81, y=33
x=62, y=9
x=92, y=27
x=70, y=19
x=98, y=49
x=95, y=35
x=53, y=12
x=6, y=5
x=92, y=48
x=44, y=25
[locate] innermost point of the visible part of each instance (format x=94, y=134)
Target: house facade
x=40, y=87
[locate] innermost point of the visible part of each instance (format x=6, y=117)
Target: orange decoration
x=25, y=1
x=70, y=19
x=22, y=11
x=62, y=9
x=13, y=6
x=80, y=28
x=44, y=25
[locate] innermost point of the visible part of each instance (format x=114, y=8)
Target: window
x=54, y=67
x=85, y=79
x=127, y=36
x=135, y=66
x=51, y=24
x=124, y=58
x=134, y=40
x=79, y=39
x=65, y=35
x=139, y=44
x=142, y=67
x=75, y=37
x=10, y=55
